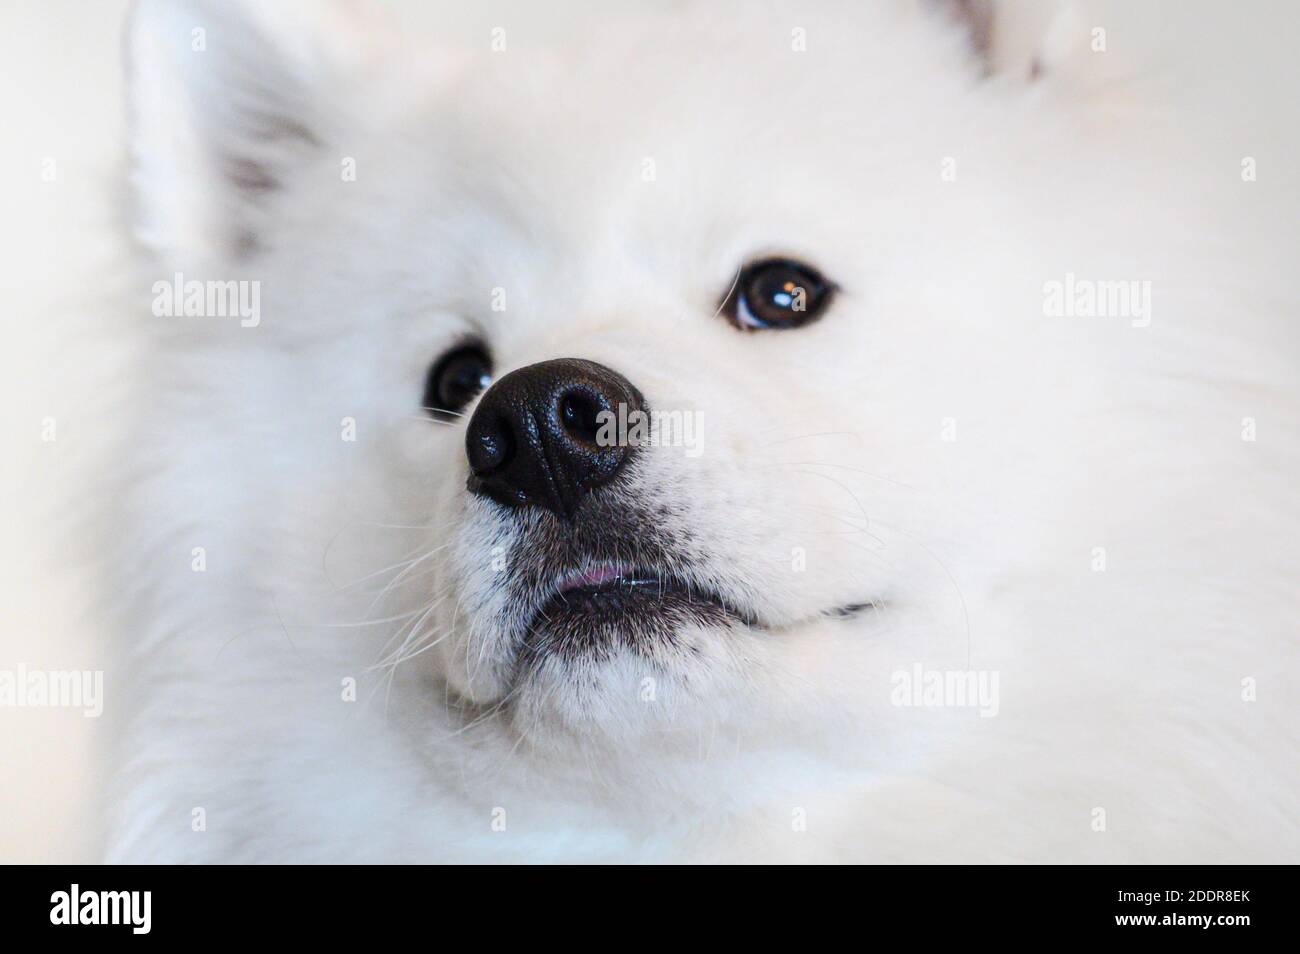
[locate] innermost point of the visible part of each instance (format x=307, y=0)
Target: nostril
x=489, y=446
x=579, y=413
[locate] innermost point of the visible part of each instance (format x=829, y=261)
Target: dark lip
x=651, y=590
x=636, y=610
x=667, y=592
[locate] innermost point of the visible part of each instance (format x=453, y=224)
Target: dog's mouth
x=608, y=605
x=607, y=596
x=580, y=596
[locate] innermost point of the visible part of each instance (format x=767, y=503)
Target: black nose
x=533, y=438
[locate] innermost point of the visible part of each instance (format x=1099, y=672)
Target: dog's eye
x=777, y=293
x=455, y=378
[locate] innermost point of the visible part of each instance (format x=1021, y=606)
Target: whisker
x=861, y=509
x=409, y=558
x=823, y=463
x=961, y=597
x=403, y=574
x=800, y=437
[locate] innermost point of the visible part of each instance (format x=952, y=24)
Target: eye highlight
x=455, y=379
x=777, y=293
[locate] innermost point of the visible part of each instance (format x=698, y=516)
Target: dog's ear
x=220, y=116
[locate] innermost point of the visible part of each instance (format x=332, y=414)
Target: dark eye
x=455, y=378
x=777, y=293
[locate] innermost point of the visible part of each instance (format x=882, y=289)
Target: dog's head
x=655, y=347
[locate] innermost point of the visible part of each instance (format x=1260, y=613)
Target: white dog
x=745, y=432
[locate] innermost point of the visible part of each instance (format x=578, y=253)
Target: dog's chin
x=610, y=650
x=648, y=670
x=613, y=656
x=612, y=642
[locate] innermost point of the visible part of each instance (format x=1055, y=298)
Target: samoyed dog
x=749, y=432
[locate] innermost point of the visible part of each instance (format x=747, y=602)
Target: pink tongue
x=594, y=577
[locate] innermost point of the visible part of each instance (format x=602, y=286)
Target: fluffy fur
x=936, y=447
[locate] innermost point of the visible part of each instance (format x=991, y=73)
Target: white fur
x=522, y=170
